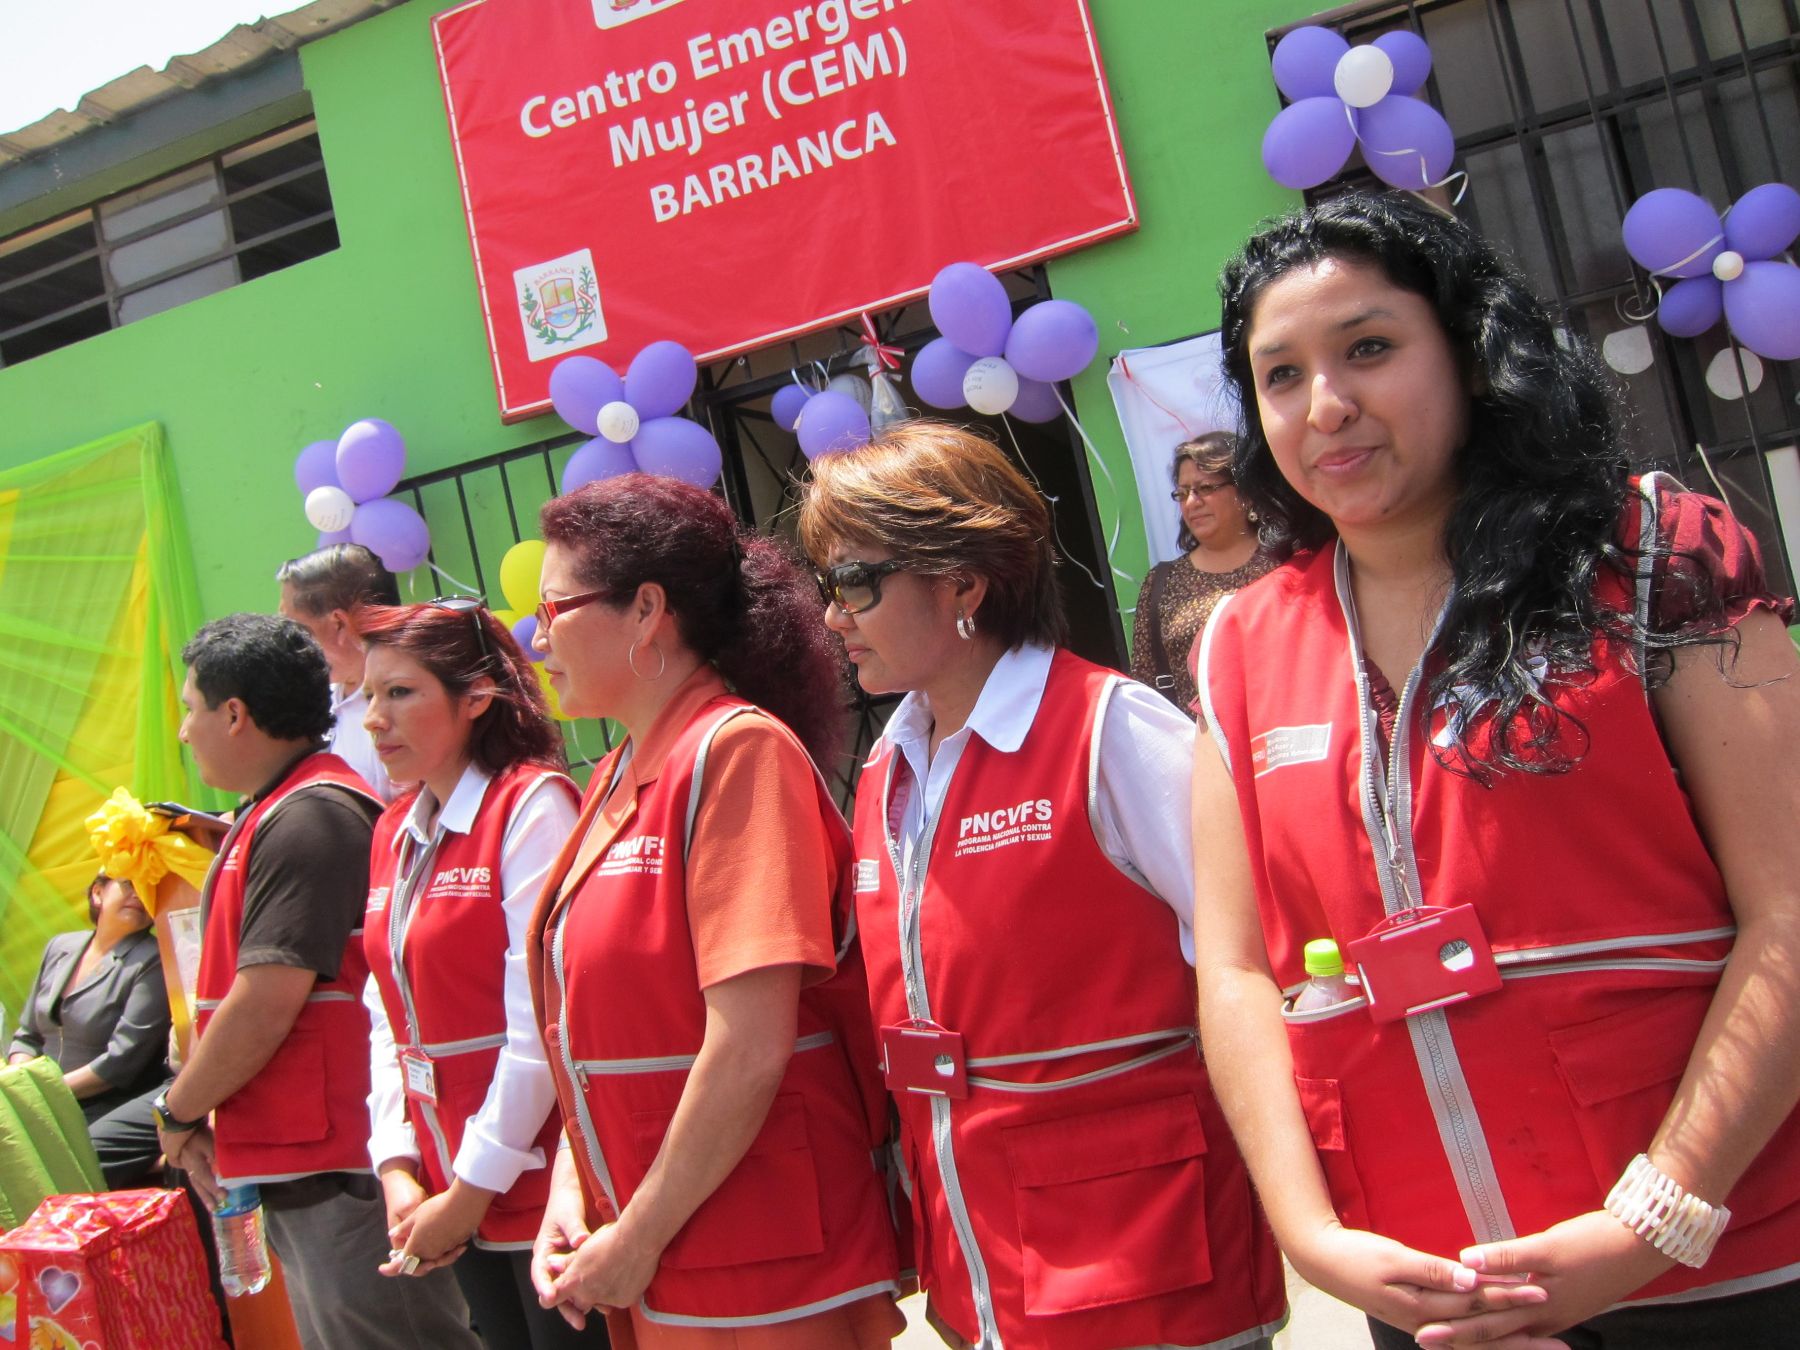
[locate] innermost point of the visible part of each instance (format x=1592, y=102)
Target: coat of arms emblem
x=559, y=305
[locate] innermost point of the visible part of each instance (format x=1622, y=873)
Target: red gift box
x=118, y=1271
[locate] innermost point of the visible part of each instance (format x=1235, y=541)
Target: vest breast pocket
x=766, y=1210
x=285, y=1102
x=1111, y=1205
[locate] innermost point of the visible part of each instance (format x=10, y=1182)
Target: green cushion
x=24, y=1180
x=53, y=1119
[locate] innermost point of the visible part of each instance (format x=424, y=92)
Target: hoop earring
x=662, y=662
x=965, y=627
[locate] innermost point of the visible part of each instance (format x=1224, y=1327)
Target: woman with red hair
x=462, y=1108
x=693, y=958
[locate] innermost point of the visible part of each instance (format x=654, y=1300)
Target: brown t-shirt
x=308, y=880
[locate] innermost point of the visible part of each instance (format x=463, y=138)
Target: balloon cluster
x=521, y=582
x=1732, y=268
x=635, y=417
x=345, y=483
x=1342, y=95
x=828, y=421
x=992, y=362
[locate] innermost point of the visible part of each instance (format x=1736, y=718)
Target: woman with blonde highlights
x=1024, y=894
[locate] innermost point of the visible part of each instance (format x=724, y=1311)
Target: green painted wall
x=389, y=324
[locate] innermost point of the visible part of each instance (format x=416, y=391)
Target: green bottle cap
x=1322, y=958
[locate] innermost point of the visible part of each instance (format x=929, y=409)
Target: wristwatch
x=159, y=1108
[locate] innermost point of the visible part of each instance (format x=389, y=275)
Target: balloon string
x=1112, y=543
x=1680, y=263
x=1424, y=168
x=460, y=585
x=1038, y=483
x=1144, y=389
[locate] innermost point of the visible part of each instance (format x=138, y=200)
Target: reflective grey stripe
x=663, y=1063
x=693, y=805
x=1644, y=569
x=207, y=1004
x=584, y=1120
x=411, y=866
x=1744, y=1284
x=918, y=1006
x=1182, y=1046
x=1655, y=963
x=1387, y=818
x=1093, y=765
x=450, y=1049
x=770, y=1318
x=332, y=996
x=1562, y=951
x=1070, y=1051
x=1203, y=671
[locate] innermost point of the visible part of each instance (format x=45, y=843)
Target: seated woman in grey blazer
x=99, y=1007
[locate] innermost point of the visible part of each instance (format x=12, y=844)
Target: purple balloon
x=1764, y=222
x=599, y=458
x=370, y=458
x=786, y=405
x=677, y=448
x=1689, y=308
x=937, y=373
x=1305, y=61
x=523, y=632
x=1406, y=143
x=1411, y=57
x=329, y=537
x=832, y=422
x=1036, y=402
x=1763, y=308
x=1053, y=340
x=1308, y=142
x=660, y=380
x=316, y=467
x=1670, y=232
x=969, y=306
x=580, y=387
x=393, y=532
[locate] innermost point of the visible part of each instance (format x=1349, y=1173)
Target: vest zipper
x=400, y=912
x=1387, y=817
x=918, y=1005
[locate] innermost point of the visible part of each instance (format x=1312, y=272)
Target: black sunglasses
x=855, y=586
x=472, y=605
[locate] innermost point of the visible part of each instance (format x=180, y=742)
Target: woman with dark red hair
x=693, y=958
x=462, y=1108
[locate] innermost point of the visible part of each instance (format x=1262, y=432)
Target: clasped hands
x=1510, y=1295
x=578, y=1271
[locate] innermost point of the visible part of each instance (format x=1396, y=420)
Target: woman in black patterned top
x=1223, y=555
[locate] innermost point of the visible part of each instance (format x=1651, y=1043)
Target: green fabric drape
x=97, y=595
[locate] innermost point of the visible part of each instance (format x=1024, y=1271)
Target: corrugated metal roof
x=244, y=46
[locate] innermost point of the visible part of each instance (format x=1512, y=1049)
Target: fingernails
x=1473, y=1258
x=1463, y=1279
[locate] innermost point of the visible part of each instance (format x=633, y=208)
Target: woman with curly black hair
x=1530, y=765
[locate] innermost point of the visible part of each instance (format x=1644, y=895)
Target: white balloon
x=1363, y=77
x=329, y=508
x=853, y=386
x=1628, y=351
x=1722, y=373
x=1728, y=266
x=618, y=421
x=990, y=386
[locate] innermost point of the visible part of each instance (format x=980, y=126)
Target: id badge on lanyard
x=421, y=1076
x=923, y=1057
x=1419, y=959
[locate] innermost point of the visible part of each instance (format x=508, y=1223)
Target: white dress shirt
x=1142, y=796
x=499, y=1141
x=351, y=742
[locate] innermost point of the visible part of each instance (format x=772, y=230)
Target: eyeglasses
x=547, y=612
x=1181, y=494
x=855, y=586
x=472, y=605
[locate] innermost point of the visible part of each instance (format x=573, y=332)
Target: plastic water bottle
x=1327, y=983
x=243, y=1247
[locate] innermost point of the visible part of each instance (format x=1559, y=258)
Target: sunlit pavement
x=1317, y=1322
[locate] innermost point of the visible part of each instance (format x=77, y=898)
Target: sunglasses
x=472, y=605
x=855, y=586
x=549, y=609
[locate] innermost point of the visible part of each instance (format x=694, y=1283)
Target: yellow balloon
x=521, y=571
x=550, y=697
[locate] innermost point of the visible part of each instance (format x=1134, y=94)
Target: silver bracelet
x=1662, y=1212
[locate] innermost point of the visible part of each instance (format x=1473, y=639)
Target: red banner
x=729, y=173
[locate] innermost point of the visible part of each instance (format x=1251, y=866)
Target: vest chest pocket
x=285, y=1102
x=1111, y=1205
x=766, y=1210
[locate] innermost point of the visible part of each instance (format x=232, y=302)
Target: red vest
x=1086, y=1193
x=452, y=1010
x=306, y=1110
x=1515, y=1110
x=801, y=1225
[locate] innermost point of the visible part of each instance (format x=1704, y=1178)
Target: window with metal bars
x=1568, y=111
x=236, y=216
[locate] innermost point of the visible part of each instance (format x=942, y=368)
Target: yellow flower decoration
x=140, y=846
